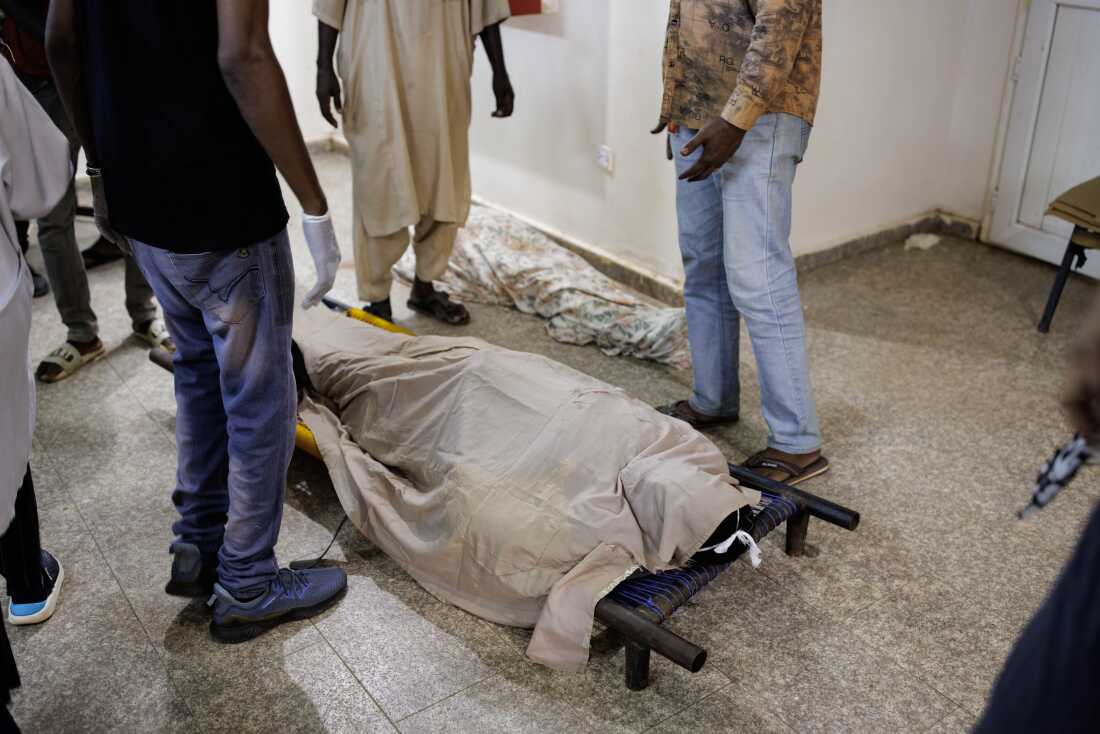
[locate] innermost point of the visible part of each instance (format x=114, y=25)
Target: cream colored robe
x=505, y=483
x=405, y=67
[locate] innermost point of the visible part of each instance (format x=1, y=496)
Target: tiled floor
x=938, y=400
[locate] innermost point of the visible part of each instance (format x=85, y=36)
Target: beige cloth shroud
x=505, y=483
x=405, y=67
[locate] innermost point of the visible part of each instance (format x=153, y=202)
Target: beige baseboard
x=670, y=291
x=933, y=222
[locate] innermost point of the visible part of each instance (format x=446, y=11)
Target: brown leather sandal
x=795, y=473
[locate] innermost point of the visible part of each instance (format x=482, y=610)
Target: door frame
x=1023, y=9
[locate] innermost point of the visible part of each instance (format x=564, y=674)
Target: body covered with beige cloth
x=505, y=483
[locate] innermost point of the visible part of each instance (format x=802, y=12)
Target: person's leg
x=713, y=322
x=57, y=238
x=433, y=243
x=21, y=549
x=139, y=298
x=245, y=299
x=760, y=269
x=22, y=233
x=374, y=261
x=261, y=406
x=201, y=495
x=34, y=577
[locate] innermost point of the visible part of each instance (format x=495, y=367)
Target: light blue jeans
x=735, y=240
x=230, y=314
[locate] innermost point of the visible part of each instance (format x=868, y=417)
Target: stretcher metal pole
x=360, y=315
x=816, y=506
x=641, y=631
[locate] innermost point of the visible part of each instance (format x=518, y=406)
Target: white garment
x=35, y=171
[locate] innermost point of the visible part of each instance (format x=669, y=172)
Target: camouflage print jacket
x=740, y=59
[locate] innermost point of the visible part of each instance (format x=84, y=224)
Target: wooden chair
x=1079, y=206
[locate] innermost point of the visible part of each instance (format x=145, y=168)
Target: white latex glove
x=99, y=207
x=321, y=238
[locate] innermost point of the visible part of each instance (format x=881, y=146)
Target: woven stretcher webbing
x=657, y=595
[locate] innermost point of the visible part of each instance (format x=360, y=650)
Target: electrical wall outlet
x=605, y=157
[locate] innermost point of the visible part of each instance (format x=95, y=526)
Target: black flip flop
x=441, y=308
x=795, y=473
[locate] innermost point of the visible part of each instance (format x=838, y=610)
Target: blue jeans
x=230, y=314
x=735, y=240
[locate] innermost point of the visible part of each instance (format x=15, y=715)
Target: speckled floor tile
x=959, y=721
x=734, y=708
x=597, y=693
x=503, y=705
x=407, y=649
x=951, y=643
x=938, y=401
x=309, y=690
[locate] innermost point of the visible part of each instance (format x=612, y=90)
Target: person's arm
x=776, y=37
x=502, y=85
x=64, y=55
x=254, y=78
x=27, y=14
x=328, y=85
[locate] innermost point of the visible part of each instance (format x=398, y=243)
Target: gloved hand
x=321, y=238
x=99, y=207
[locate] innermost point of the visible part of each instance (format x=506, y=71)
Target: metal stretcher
x=637, y=608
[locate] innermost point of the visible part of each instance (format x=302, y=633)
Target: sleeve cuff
x=330, y=12
x=743, y=110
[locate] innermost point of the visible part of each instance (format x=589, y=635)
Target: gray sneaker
x=291, y=595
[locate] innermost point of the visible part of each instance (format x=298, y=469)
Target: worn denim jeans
x=230, y=314
x=735, y=240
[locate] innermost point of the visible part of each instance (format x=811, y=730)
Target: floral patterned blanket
x=500, y=260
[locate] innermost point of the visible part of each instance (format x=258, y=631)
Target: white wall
x=911, y=97
x=294, y=36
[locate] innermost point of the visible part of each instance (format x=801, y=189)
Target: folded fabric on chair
x=1081, y=206
x=506, y=483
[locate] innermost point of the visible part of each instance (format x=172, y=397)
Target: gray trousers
x=60, y=252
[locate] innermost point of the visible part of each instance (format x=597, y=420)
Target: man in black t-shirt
x=184, y=114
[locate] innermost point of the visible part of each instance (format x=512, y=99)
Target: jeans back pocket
x=226, y=284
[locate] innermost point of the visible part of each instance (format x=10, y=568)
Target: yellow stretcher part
x=305, y=441
x=360, y=315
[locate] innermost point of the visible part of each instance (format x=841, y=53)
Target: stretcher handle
x=633, y=626
x=818, y=507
